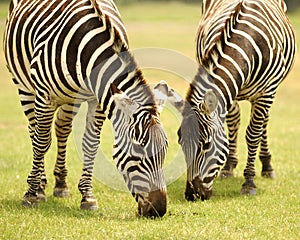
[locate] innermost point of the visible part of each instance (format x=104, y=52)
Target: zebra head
x=139, y=151
x=203, y=141
x=201, y=135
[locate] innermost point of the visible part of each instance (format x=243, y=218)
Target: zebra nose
x=195, y=189
x=155, y=206
x=205, y=193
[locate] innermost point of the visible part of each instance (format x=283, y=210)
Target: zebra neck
x=202, y=83
x=225, y=89
x=131, y=82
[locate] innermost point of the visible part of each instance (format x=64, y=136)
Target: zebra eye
x=206, y=145
x=143, y=144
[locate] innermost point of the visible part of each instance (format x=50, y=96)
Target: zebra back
x=257, y=32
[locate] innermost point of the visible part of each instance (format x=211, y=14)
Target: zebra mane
x=97, y=8
x=120, y=47
x=136, y=87
x=104, y=16
x=12, y=5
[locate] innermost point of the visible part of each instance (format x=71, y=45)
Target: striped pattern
x=245, y=49
x=62, y=53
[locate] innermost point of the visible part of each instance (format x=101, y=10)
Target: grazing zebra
x=62, y=53
x=245, y=49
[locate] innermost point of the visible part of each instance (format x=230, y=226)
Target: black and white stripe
x=245, y=49
x=62, y=53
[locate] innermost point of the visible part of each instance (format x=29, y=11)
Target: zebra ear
x=160, y=92
x=163, y=93
x=122, y=101
x=210, y=102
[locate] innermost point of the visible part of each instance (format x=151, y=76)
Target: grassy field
x=274, y=213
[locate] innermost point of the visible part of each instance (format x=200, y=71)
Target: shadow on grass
x=62, y=208
x=122, y=207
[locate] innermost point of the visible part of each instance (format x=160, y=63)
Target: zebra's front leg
x=63, y=128
x=233, y=124
x=41, y=140
x=90, y=143
x=254, y=132
x=265, y=154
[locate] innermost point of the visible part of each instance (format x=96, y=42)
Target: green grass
x=272, y=214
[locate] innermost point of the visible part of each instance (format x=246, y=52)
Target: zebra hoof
x=226, y=174
x=61, y=192
x=89, y=203
x=30, y=201
x=268, y=174
x=41, y=195
x=248, y=190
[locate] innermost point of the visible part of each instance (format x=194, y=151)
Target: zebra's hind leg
x=233, y=124
x=90, y=143
x=40, y=130
x=265, y=154
x=63, y=128
x=27, y=100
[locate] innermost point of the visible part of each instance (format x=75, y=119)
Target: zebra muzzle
x=195, y=190
x=154, y=206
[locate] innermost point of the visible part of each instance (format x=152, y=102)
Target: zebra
x=245, y=49
x=63, y=53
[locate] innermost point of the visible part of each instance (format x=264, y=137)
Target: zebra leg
x=259, y=112
x=90, y=144
x=63, y=128
x=41, y=140
x=265, y=154
x=27, y=100
x=233, y=124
